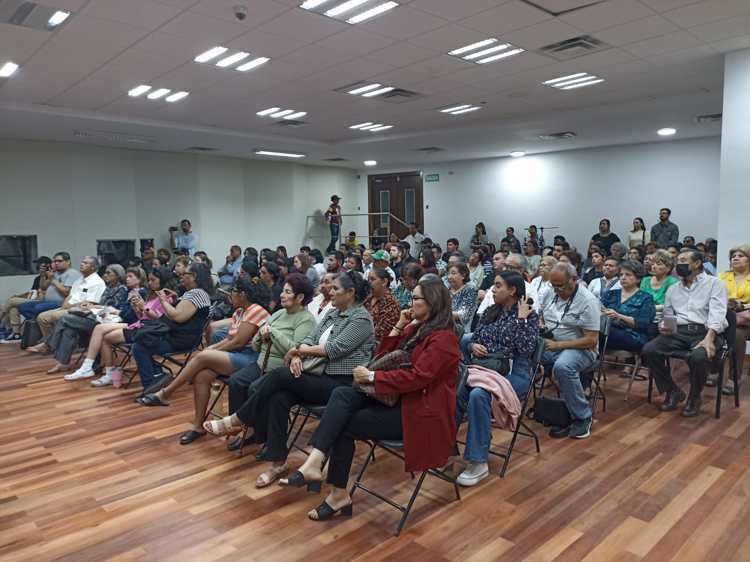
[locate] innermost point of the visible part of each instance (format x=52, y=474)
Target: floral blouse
x=640, y=307
x=464, y=303
x=403, y=296
x=385, y=313
x=508, y=334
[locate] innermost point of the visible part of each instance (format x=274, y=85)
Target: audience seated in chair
x=541, y=284
x=303, y=263
x=143, y=304
x=609, y=280
x=573, y=319
x=269, y=275
x=230, y=271
x=630, y=310
x=11, y=318
x=86, y=290
x=697, y=306
x=381, y=304
x=463, y=295
x=660, y=280
x=343, y=340
x=423, y=418
x=737, y=281
x=508, y=330
x=323, y=301
x=410, y=275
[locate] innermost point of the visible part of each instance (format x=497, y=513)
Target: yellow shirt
x=741, y=293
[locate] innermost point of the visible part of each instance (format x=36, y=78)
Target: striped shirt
x=198, y=297
x=351, y=341
x=253, y=314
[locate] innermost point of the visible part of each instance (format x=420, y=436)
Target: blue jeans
x=567, y=366
x=31, y=309
x=219, y=335
x=143, y=356
x=465, y=345
x=476, y=403
x=335, y=228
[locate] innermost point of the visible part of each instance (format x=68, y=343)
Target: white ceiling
x=664, y=67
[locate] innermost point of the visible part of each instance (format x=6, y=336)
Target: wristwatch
x=371, y=376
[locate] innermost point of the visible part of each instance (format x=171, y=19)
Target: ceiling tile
x=559, y=6
x=203, y=28
x=607, y=14
x=666, y=5
x=663, y=44
x=72, y=5
x=314, y=58
x=448, y=38
x=354, y=42
x=510, y=16
x=265, y=45
x=142, y=13
x=140, y=66
x=401, y=54
x=437, y=66
x=340, y=75
x=452, y=10
x=512, y=65
x=94, y=92
x=707, y=11
x=184, y=47
x=638, y=30
x=258, y=11
x=722, y=29
x=303, y=26
x=733, y=44
x=19, y=43
x=541, y=34
x=701, y=52
x=605, y=59
x=403, y=22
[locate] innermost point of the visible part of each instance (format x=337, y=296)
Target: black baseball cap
x=43, y=259
x=335, y=198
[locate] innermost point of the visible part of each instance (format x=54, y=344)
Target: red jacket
x=428, y=396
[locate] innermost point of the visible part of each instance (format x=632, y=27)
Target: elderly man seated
x=230, y=271
x=572, y=322
x=86, y=290
x=694, y=318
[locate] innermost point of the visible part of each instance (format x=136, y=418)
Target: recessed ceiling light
x=372, y=126
x=363, y=89
x=383, y=128
x=310, y=4
x=360, y=125
x=370, y=163
x=210, y=54
x=573, y=81
x=371, y=13
x=378, y=92
x=282, y=113
x=345, y=7
x=252, y=64
x=454, y=108
x=666, y=132
x=583, y=84
x=156, y=94
x=267, y=111
x=8, y=69
x=232, y=59
x=479, y=54
x=139, y=90
x=485, y=52
x=279, y=154
x=57, y=18
x=517, y=153
x=459, y=109
x=472, y=47
x=467, y=110
x=504, y=55
x=295, y=115
x=563, y=78
x=177, y=96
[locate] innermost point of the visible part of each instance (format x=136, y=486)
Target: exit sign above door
x=432, y=177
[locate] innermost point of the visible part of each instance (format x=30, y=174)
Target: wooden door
x=400, y=195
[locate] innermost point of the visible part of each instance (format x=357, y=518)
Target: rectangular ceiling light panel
x=278, y=153
x=230, y=59
x=158, y=93
x=487, y=50
x=573, y=81
x=459, y=109
x=279, y=113
x=371, y=127
x=349, y=11
x=32, y=15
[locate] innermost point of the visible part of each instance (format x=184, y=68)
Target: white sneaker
x=104, y=380
x=473, y=474
x=80, y=374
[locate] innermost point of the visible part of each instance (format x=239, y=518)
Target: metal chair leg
x=357, y=480
x=636, y=367
x=413, y=497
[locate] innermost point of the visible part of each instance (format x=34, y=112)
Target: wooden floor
x=87, y=474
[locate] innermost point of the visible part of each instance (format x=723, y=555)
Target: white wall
x=573, y=190
x=70, y=195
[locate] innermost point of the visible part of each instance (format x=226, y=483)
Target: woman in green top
x=285, y=330
x=660, y=279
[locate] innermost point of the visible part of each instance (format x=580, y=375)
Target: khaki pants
x=48, y=319
x=10, y=315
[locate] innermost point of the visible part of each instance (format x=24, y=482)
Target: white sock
x=88, y=364
x=108, y=370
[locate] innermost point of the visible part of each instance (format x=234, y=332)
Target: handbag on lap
x=397, y=359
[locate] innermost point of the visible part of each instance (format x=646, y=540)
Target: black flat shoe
x=559, y=432
x=673, y=398
x=692, y=408
x=190, y=436
x=262, y=455
x=297, y=480
x=152, y=400
x=326, y=512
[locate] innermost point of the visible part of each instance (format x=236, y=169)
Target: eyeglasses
x=417, y=298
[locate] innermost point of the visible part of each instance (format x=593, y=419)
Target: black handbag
x=550, y=411
x=31, y=334
x=151, y=333
x=493, y=361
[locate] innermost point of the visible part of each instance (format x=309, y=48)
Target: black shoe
x=692, y=408
x=559, y=432
x=297, y=480
x=580, y=429
x=673, y=398
x=237, y=444
x=325, y=512
x=190, y=436
x=151, y=400
x=158, y=383
x=262, y=455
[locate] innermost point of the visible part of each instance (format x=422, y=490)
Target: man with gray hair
x=572, y=321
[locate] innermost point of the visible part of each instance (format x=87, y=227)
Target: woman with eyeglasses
x=343, y=340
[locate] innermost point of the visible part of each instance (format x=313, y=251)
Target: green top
x=660, y=293
x=287, y=330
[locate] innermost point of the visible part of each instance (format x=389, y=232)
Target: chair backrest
x=605, y=323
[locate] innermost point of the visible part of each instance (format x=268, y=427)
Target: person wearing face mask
x=694, y=318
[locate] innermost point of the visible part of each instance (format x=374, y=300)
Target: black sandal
x=297, y=480
x=152, y=400
x=326, y=512
x=190, y=436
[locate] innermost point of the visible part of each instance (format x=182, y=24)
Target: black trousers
x=69, y=331
x=240, y=384
x=267, y=410
x=658, y=350
x=350, y=413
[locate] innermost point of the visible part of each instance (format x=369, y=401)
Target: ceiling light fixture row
x=459, y=109
x=488, y=50
x=158, y=93
x=8, y=69
x=350, y=11
x=573, y=81
x=371, y=127
x=371, y=90
x=666, y=131
x=230, y=60
x=277, y=153
x=57, y=19
x=278, y=112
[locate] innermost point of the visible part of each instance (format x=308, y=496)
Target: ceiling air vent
x=112, y=136
x=399, y=95
x=200, y=149
x=290, y=123
x=558, y=136
x=708, y=118
x=336, y=159
x=574, y=47
x=428, y=149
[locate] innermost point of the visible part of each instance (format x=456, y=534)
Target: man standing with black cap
x=333, y=216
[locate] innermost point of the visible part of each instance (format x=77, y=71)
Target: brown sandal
x=222, y=427
x=271, y=475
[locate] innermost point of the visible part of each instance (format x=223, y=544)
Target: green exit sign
x=432, y=177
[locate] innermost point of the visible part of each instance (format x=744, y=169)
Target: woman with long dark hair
x=427, y=262
x=639, y=236
x=423, y=418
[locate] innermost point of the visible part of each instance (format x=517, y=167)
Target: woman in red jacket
x=424, y=417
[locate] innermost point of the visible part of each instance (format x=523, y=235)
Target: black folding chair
x=395, y=448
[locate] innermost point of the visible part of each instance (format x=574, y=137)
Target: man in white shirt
x=85, y=291
x=695, y=311
x=415, y=239
x=322, y=303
